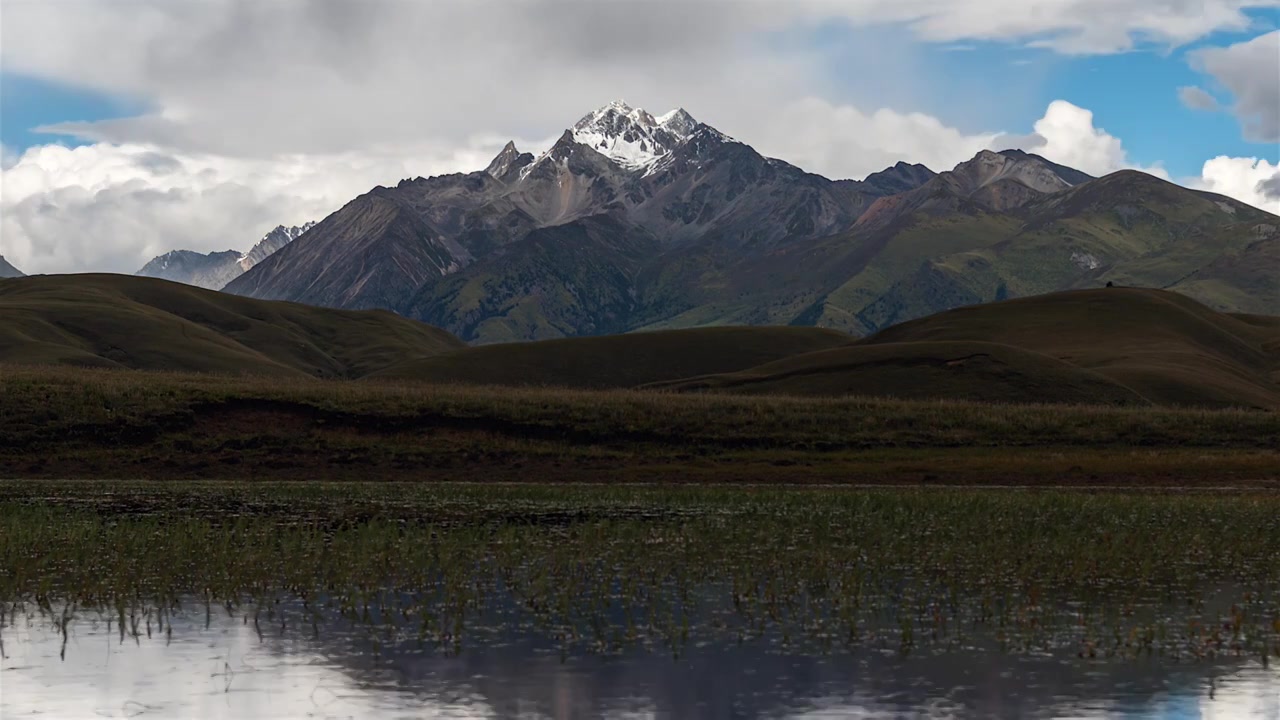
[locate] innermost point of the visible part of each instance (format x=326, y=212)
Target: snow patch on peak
x=632, y=137
x=678, y=122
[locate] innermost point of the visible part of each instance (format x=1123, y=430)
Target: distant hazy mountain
x=214, y=270
x=7, y=270
x=207, y=270
x=634, y=221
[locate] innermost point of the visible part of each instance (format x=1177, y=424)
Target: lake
x=390, y=601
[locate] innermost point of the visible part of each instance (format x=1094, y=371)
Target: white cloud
x=1068, y=26
x=249, y=77
x=112, y=208
x=1251, y=180
x=1066, y=135
x=842, y=141
x=253, y=78
x=1251, y=72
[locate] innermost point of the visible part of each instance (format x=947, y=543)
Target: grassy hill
x=970, y=371
x=1114, y=345
x=618, y=361
x=142, y=323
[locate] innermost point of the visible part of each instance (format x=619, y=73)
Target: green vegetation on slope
x=1115, y=345
x=118, y=321
x=1128, y=227
x=618, y=361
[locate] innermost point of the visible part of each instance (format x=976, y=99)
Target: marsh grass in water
x=600, y=570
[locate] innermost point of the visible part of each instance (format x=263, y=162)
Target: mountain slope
x=271, y=242
x=144, y=323
x=1114, y=345
x=666, y=182
x=9, y=271
x=561, y=281
x=631, y=221
x=1128, y=228
x=373, y=253
x=618, y=361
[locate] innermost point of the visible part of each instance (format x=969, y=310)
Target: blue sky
x=27, y=103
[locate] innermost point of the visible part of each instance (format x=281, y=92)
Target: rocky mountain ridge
x=215, y=269
x=634, y=221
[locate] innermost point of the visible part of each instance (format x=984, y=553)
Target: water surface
x=228, y=668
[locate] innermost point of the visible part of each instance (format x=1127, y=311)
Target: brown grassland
x=117, y=424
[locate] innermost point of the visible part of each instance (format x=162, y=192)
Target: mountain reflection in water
x=229, y=669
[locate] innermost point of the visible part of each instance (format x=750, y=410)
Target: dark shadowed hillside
x=619, y=361
x=1114, y=345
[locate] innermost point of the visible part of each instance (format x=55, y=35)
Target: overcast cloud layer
x=279, y=112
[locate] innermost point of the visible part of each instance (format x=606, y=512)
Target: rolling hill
x=1113, y=346
x=120, y=321
x=618, y=361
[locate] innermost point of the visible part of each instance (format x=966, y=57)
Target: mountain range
x=631, y=221
x=214, y=270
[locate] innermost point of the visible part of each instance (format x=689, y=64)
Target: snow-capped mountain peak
x=632, y=137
